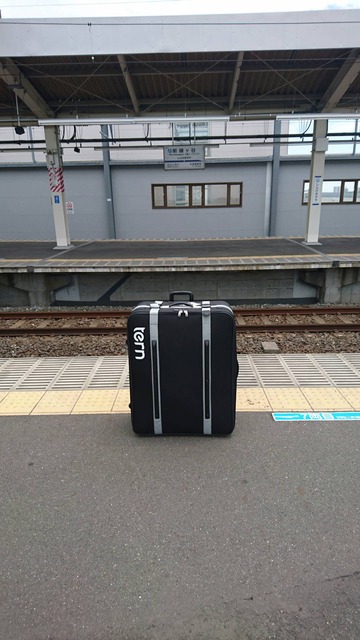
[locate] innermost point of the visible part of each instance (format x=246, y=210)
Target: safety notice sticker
x=324, y=415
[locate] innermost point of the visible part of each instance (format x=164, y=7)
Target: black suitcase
x=183, y=367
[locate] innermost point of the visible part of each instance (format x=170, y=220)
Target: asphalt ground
x=108, y=536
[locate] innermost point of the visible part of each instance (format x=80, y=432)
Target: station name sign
x=184, y=157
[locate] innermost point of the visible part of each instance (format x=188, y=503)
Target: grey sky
x=87, y=8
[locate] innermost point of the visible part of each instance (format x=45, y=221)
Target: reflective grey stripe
x=223, y=306
x=206, y=338
x=155, y=366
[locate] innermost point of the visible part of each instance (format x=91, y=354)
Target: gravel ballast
x=56, y=346
x=113, y=345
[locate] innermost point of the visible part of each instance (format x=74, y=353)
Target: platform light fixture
x=175, y=119
x=318, y=116
x=19, y=130
x=111, y=120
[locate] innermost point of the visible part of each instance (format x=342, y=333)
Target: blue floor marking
x=309, y=416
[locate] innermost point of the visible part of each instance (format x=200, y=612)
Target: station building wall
x=26, y=213
x=25, y=206
x=336, y=219
x=136, y=219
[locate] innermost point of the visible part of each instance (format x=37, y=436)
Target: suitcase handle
x=181, y=293
x=181, y=304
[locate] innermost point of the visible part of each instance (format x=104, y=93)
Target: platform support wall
x=57, y=187
x=336, y=285
x=34, y=289
x=319, y=147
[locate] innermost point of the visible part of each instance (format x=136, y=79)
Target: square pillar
x=319, y=147
x=57, y=187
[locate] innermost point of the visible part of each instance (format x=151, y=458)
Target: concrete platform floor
x=107, y=536
x=243, y=250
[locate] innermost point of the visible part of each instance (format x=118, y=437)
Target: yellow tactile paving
x=20, y=402
x=251, y=257
x=97, y=401
x=326, y=399
x=66, y=402
x=27, y=260
x=285, y=399
x=121, y=404
x=56, y=402
x=251, y=399
x=352, y=395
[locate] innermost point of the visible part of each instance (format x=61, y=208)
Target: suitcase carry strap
x=155, y=365
x=206, y=355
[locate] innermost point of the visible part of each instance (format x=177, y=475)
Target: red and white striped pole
x=56, y=178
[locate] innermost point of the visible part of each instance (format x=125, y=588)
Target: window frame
x=341, y=200
x=203, y=186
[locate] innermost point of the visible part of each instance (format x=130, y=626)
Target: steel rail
x=60, y=331
x=121, y=313
x=312, y=326
x=58, y=315
x=298, y=328
x=251, y=328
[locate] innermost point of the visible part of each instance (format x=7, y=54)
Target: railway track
x=249, y=320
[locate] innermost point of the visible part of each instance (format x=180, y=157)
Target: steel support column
x=319, y=147
x=275, y=171
x=57, y=188
x=108, y=181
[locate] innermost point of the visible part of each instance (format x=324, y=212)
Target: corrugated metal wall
x=335, y=219
x=135, y=217
x=25, y=206
x=26, y=213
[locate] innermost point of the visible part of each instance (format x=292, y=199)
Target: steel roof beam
x=342, y=82
x=108, y=70
x=190, y=100
x=129, y=83
x=17, y=82
x=235, y=80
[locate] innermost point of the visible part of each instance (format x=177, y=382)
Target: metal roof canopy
x=247, y=64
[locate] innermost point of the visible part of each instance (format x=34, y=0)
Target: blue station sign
x=311, y=416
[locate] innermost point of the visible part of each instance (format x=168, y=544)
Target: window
x=177, y=195
x=345, y=144
x=190, y=131
x=221, y=194
x=348, y=191
x=331, y=190
x=336, y=192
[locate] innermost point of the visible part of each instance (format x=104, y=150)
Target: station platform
x=266, y=383
x=240, y=270
x=107, y=535
x=180, y=255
